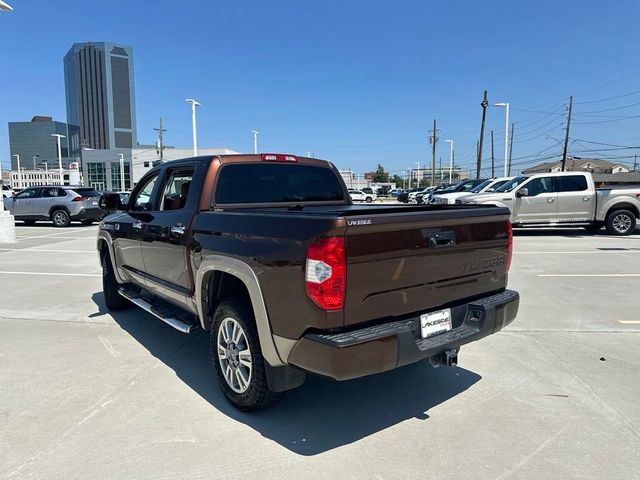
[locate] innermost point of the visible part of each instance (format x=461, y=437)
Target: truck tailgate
x=401, y=263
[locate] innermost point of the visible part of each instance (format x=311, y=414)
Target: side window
x=53, y=192
x=27, y=193
x=176, y=189
x=539, y=185
x=142, y=201
x=573, y=183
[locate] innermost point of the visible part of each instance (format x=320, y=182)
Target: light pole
x=255, y=140
x=19, y=172
x=450, y=160
x=417, y=173
x=34, y=161
x=5, y=7
x=194, y=104
x=122, y=189
x=59, y=136
x=506, y=136
x=46, y=171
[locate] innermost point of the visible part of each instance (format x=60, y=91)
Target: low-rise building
x=578, y=164
x=32, y=178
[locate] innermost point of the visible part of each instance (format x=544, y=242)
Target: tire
x=369, y=199
x=247, y=388
x=112, y=299
x=594, y=228
x=60, y=218
x=29, y=222
x=620, y=222
x=87, y=222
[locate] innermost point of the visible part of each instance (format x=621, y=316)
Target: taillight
x=80, y=199
x=510, y=245
x=326, y=273
x=278, y=157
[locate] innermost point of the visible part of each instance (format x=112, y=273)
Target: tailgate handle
x=441, y=239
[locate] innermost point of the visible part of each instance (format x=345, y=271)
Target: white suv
x=360, y=196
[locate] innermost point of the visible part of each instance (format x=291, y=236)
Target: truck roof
x=259, y=157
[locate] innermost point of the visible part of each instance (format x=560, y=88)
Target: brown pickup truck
x=269, y=254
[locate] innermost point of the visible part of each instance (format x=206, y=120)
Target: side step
x=166, y=314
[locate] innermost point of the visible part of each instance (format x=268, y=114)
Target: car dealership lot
x=87, y=394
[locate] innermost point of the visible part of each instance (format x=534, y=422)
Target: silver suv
x=61, y=205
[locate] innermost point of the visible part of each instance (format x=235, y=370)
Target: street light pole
x=506, y=136
x=194, y=104
x=255, y=140
x=418, y=173
x=122, y=188
x=450, y=160
x=59, y=136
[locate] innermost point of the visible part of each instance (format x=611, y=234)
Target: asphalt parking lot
x=87, y=394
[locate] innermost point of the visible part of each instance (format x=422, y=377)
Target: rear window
x=87, y=192
x=276, y=183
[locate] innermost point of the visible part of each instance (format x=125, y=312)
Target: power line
x=610, y=98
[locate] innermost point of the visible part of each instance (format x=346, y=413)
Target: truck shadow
x=318, y=416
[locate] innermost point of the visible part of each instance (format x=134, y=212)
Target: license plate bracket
x=435, y=323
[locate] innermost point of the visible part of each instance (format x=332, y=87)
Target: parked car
x=7, y=191
x=362, y=196
x=566, y=199
x=487, y=186
x=60, y=205
x=396, y=191
x=269, y=254
x=421, y=195
x=404, y=197
x=464, y=186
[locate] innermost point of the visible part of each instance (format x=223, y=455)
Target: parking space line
x=6, y=272
x=589, y=275
x=33, y=249
x=629, y=322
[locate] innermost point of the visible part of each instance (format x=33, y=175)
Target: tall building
x=34, y=143
x=100, y=96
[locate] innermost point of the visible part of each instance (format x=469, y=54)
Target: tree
x=381, y=176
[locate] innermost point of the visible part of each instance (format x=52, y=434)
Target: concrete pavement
x=88, y=394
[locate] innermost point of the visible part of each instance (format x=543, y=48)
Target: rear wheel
x=29, y=222
x=369, y=199
x=112, y=299
x=237, y=357
x=60, y=218
x=620, y=222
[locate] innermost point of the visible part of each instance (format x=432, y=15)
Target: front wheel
x=237, y=357
x=369, y=200
x=620, y=222
x=112, y=299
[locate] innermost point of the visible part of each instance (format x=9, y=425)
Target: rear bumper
x=89, y=214
x=379, y=348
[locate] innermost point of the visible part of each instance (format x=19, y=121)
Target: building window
x=97, y=175
x=115, y=177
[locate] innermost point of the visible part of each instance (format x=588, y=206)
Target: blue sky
x=355, y=82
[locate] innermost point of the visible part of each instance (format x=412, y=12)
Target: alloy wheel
x=622, y=223
x=234, y=355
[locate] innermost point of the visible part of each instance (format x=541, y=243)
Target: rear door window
x=87, y=192
x=277, y=183
x=572, y=183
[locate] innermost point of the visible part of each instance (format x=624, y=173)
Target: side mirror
x=111, y=201
x=523, y=192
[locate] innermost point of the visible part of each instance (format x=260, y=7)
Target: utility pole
x=566, y=134
x=513, y=126
x=160, y=140
x=255, y=140
x=493, y=169
x=434, y=139
x=635, y=162
x=484, y=104
x=122, y=188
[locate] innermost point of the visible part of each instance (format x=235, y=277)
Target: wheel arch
x=104, y=245
x=237, y=275
x=58, y=207
x=622, y=206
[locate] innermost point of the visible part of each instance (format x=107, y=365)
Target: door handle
x=586, y=199
x=177, y=230
x=551, y=200
x=137, y=225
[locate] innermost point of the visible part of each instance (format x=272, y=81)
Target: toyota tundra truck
x=269, y=254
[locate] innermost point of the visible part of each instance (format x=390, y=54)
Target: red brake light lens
x=326, y=272
x=80, y=199
x=277, y=157
x=510, y=245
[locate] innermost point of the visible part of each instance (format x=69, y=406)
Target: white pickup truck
x=562, y=199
